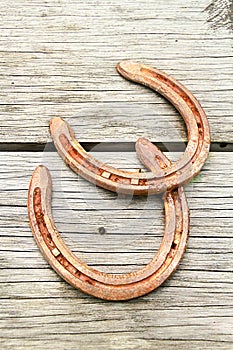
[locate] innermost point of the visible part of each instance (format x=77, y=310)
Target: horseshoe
x=152, y=182
x=91, y=281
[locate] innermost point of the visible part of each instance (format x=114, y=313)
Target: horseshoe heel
x=96, y=283
x=116, y=180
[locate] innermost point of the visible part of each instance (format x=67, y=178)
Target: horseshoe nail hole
x=223, y=145
x=174, y=245
x=102, y=230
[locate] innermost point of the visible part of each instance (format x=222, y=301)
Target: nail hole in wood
x=102, y=230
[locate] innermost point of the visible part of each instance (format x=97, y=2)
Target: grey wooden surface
x=194, y=305
x=58, y=58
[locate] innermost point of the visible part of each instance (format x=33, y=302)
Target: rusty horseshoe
x=99, y=284
x=163, y=176
x=120, y=181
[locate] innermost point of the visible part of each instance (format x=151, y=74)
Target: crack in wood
x=109, y=147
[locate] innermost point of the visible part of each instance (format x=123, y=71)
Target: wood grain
x=40, y=310
x=220, y=14
x=59, y=58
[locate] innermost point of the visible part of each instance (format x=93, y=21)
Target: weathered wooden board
x=39, y=310
x=58, y=59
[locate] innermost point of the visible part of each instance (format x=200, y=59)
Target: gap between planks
x=109, y=147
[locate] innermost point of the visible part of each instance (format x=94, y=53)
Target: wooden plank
x=193, y=308
x=58, y=59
